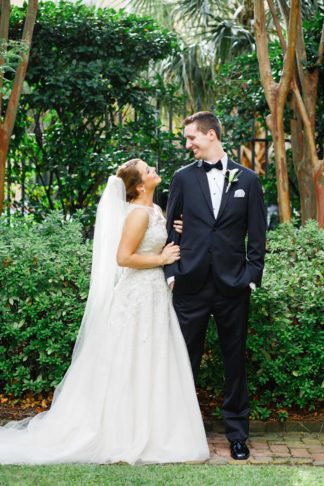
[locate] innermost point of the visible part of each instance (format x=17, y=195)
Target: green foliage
x=284, y=348
x=11, y=53
x=87, y=74
x=44, y=275
x=87, y=58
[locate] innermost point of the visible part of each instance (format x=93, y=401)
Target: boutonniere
x=232, y=176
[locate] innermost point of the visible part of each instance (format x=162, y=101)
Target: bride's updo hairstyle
x=131, y=177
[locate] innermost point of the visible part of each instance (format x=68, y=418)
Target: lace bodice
x=156, y=233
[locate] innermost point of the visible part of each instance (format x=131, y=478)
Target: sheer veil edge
x=105, y=274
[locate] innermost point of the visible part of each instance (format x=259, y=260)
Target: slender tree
x=309, y=169
x=7, y=119
x=276, y=95
x=304, y=86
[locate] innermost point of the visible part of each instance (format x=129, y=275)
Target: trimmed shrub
x=44, y=278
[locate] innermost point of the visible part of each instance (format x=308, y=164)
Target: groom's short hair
x=205, y=121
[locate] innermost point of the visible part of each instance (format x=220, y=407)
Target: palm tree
x=209, y=34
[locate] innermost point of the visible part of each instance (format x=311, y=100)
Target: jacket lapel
x=202, y=178
x=226, y=193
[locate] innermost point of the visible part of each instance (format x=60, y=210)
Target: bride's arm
x=134, y=230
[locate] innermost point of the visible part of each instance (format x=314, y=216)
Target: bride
x=128, y=394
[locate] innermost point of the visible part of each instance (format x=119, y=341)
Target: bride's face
x=149, y=176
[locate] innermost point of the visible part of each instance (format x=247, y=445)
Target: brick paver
x=299, y=452
x=300, y=448
x=279, y=448
x=318, y=457
x=295, y=448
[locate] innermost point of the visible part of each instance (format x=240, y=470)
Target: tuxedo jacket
x=232, y=246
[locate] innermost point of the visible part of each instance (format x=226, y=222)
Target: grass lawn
x=168, y=475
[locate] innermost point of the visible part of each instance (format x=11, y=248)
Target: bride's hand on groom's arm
x=170, y=253
x=178, y=225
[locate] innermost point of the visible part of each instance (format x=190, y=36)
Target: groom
x=221, y=203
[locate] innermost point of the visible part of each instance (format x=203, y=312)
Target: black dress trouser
x=231, y=315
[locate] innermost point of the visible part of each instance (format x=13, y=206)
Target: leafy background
x=44, y=276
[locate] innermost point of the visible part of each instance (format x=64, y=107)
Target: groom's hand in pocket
x=170, y=282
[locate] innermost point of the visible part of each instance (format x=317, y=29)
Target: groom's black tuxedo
x=213, y=275
x=219, y=244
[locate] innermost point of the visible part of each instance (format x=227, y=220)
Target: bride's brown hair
x=131, y=177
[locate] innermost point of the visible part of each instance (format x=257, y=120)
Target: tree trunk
x=314, y=164
x=6, y=127
x=276, y=95
x=4, y=30
x=309, y=168
x=275, y=125
x=319, y=191
x=302, y=159
x=4, y=145
x=306, y=108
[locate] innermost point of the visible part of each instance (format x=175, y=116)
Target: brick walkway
x=299, y=448
x=285, y=447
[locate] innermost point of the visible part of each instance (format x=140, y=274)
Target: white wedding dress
x=129, y=395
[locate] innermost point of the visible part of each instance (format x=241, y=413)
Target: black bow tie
x=209, y=167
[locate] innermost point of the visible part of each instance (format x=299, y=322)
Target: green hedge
x=285, y=344
x=44, y=277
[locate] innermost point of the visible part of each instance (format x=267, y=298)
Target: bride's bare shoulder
x=137, y=216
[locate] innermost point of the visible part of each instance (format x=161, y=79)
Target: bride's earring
x=144, y=190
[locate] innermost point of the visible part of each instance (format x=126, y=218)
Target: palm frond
x=192, y=69
x=161, y=11
x=310, y=7
x=197, y=10
x=229, y=38
x=209, y=33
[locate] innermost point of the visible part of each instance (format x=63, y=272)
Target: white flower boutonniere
x=232, y=176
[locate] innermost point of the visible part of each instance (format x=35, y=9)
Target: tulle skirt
x=129, y=396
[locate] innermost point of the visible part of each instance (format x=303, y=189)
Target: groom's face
x=197, y=141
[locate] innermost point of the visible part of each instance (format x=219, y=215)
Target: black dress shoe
x=239, y=450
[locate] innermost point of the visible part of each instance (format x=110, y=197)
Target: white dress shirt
x=216, y=180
